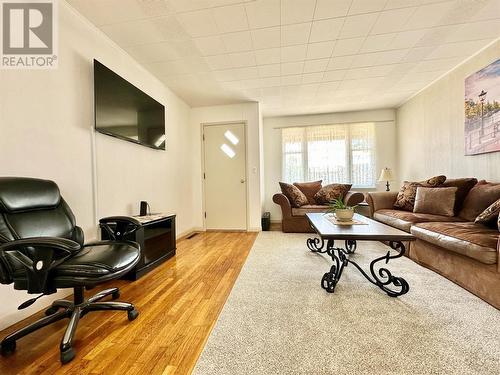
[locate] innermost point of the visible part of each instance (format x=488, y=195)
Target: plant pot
x=345, y=214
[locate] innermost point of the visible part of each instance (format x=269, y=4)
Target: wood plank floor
x=179, y=303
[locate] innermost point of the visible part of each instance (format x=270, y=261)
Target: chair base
x=73, y=310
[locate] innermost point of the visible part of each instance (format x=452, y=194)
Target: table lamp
x=386, y=175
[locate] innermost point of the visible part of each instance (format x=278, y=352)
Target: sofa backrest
x=482, y=195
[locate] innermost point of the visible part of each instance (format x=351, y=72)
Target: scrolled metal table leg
x=350, y=246
x=316, y=245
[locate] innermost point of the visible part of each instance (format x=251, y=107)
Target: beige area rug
x=278, y=320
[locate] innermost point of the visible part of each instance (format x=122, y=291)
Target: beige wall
x=385, y=133
x=430, y=128
x=46, y=120
x=245, y=112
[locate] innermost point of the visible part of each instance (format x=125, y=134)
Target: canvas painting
x=482, y=110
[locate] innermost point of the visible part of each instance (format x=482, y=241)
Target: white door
x=225, y=177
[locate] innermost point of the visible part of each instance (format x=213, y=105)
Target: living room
x=261, y=114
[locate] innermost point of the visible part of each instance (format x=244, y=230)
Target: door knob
x=242, y=180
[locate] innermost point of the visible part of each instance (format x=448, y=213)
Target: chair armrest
x=45, y=253
x=118, y=227
x=352, y=198
x=380, y=200
x=286, y=207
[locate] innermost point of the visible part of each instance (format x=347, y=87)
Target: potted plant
x=341, y=211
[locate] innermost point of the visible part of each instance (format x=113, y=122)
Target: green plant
x=339, y=204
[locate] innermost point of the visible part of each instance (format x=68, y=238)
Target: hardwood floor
x=179, y=303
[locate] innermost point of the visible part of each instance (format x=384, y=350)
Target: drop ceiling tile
x=324, y=30
x=268, y=56
x=334, y=75
x=487, y=11
x=242, y=59
x=292, y=68
x=314, y=66
x=231, y=18
x=366, y=6
x=391, y=21
x=210, y=45
x=319, y=50
x=475, y=31
x=331, y=8
x=373, y=71
x=345, y=47
x=407, y=39
x=456, y=49
x=291, y=80
x=199, y=23
x=239, y=41
x=417, y=54
x=374, y=43
x=266, y=38
x=342, y=62
x=270, y=82
x=312, y=77
x=263, y=13
x=293, y=53
x=134, y=33
x=428, y=15
x=356, y=26
x=219, y=62
x=270, y=70
x=295, y=34
x=154, y=52
x=237, y=74
x=297, y=11
x=393, y=4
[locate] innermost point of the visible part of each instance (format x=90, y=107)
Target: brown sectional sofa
x=463, y=251
x=294, y=219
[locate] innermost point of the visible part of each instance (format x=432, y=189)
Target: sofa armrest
x=353, y=198
x=380, y=200
x=286, y=207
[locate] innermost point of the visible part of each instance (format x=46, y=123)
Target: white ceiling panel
x=297, y=56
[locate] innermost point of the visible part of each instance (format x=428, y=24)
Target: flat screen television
x=123, y=111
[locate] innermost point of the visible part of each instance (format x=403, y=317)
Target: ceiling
x=297, y=56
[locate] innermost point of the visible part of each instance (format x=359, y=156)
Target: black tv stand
x=157, y=239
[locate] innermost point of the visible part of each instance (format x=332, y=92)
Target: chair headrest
x=26, y=194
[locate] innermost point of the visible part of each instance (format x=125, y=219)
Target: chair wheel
x=51, y=310
x=132, y=314
x=67, y=355
x=8, y=347
x=116, y=295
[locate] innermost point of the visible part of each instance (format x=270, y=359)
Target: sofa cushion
x=436, y=201
x=479, y=198
x=309, y=189
x=472, y=240
x=331, y=192
x=308, y=208
x=463, y=185
x=294, y=195
x=406, y=196
x=489, y=215
x=404, y=220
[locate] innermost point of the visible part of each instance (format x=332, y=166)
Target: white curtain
x=332, y=153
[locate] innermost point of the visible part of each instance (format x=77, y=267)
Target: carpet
x=278, y=320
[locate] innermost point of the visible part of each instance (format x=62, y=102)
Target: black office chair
x=42, y=250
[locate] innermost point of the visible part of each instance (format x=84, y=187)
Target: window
x=332, y=153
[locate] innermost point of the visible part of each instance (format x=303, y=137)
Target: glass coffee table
x=372, y=230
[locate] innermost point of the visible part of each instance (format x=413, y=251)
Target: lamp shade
x=386, y=175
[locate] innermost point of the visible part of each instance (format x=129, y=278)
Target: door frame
x=247, y=191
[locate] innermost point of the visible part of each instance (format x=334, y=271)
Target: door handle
x=242, y=180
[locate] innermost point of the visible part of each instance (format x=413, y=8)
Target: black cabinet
x=157, y=239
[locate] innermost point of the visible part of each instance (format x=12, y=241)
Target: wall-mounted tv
x=123, y=111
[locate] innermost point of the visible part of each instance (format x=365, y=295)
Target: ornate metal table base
x=394, y=286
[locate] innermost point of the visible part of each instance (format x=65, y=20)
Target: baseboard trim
x=182, y=236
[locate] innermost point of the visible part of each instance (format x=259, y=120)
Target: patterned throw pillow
x=330, y=192
x=488, y=215
x=406, y=196
x=294, y=195
x=309, y=189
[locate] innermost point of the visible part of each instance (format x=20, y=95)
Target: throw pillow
x=406, y=196
x=463, y=185
x=309, y=189
x=436, y=201
x=479, y=198
x=330, y=192
x=490, y=214
x=294, y=195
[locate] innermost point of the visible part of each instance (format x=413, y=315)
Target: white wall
x=245, y=112
x=431, y=128
x=385, y=133
x=45, y=131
